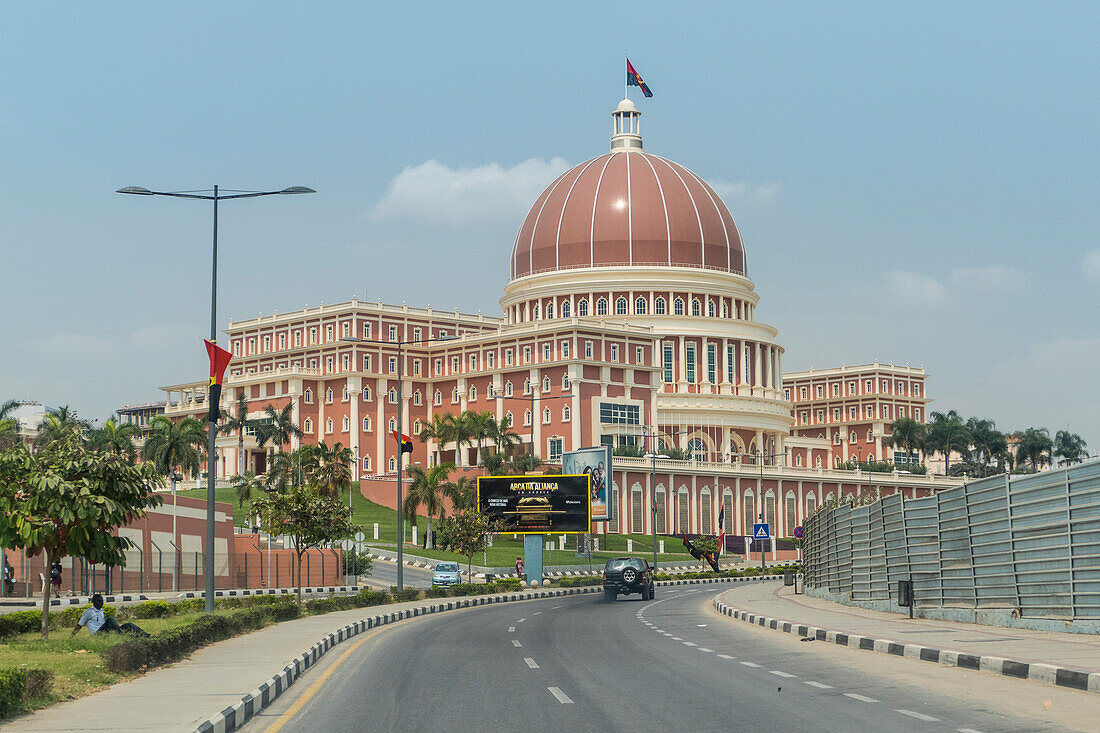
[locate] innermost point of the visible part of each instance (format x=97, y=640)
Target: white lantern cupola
x=626, y=132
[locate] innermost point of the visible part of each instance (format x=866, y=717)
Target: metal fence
x=1027, y=545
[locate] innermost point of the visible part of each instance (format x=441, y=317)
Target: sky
x=915, y=183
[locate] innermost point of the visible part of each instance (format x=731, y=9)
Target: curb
x=275, y=591
x=240, y=712
x=1046, y=673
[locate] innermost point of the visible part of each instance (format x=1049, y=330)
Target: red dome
x=627, y=208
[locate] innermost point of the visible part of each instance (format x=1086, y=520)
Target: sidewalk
x=771, y=600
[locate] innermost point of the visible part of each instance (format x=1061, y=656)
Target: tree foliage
x=173, y=445
x=426, y=490
x=116, y=438
x=467, y=533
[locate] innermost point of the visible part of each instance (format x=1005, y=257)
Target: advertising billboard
x=596, y=462
x=556, y=504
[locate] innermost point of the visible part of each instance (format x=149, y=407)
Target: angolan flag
x=219, y=360
x=404, y=441
x=634, y=79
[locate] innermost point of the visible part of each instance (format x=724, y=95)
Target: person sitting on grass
x=96, y=620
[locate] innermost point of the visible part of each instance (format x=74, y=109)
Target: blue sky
x=914, y=182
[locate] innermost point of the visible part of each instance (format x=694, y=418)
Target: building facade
x=629, y=318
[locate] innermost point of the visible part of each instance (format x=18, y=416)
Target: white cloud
x=1090, y=265
x=762, y=194
x=913, y=288
x=488, y=194
x=916, y=288
x=992, y=278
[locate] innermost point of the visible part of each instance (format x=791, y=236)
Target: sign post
x=532, y=558
x=762, y=533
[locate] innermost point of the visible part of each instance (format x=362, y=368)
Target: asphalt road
x=576, y=663
x=384, y=574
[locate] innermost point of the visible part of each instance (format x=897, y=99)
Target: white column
x=756, y=358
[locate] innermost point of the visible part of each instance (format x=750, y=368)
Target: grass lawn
x=75, y=661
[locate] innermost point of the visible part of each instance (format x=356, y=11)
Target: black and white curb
x=237, y=714
x=313, y=590
x=1050, y=674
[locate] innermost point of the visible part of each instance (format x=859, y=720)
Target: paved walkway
x=1072, y=651
x=179, y=697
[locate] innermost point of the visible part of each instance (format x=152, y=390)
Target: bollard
x=376, y=530
x=629, y=546
x=561, y=542
x=414, y=534
x=661, y=546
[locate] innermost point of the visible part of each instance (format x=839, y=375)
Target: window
x=555, y=449
x=566, y=414
x=393, y=365
x=328, y=332
x=639, y=355
x=695, y=307
x=869, y=386
x=455, y=362
x=852, y=413
x=393, y=333
x=416, y=367
x=508, y=417
x=366, y=424
x=345, y=330
x=804, y=417
x=312, y=335
x=836, y=389
x=637, y=515
x=267, y=344
x=345, y=363
x=507, y=357
x=601, y=307
x=916, y=390
x=367, y=331
x=705, y=512
x=328, y=425
x=836, y=438
x=690, y=363
x=749, y=511
x=745, y=362
x=328, y=365
x=297, y=338
x=851, y=389
x=836, y=414
x=490, y=359
x=454, y=395
x=870, y=436
x=236, y=348
x=712, y=363
x=566, y=310
x=582, y=307
x=730, y=370
x=769, y=509
x=546, y=384
x=393, y=464
x=438, y=397
x=473, y=362
x=710, y=308
x=801, y=393
x=615, y=353
x=392, y=396
x=821, y=416
x=417, y=398
x=526, y=417
x=884, y=387
x=615, y=414
x=565, y=349
x=819, y=391
x=900, y=388
x=307, y=396
x=620, y=306
x=417, y=334
x=870, y=410
x=366, y=362
x=328, y=396
x=546, y=416
x=901, y=412
x=366, y=463
x=526, y=354
x=346, y=424
x=916, y=414
x=790, y=514
x=640, y=306
x=659, y=306
x=798, y=461
x=678, y=307
x=526, y=386
x=252, y=346
x=344, y=396
x=473, y=393
x=307, y=426
x=811, y=505
x=546, y=352
x=725, y=310
x=587, y=349
x=366, y=393
x=508, y=389
x=392, y=424
x=852, y=437
x=787, y=394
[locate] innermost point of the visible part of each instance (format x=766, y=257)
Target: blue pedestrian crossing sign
x=760, y=532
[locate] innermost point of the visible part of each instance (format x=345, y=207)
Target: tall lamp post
x=760, y=457
x=653, y=455
x=400, y=431
x=215, y=195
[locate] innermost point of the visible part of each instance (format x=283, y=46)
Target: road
x=384, y=574
x=673, y=664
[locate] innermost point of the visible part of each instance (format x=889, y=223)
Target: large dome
x=628, y=208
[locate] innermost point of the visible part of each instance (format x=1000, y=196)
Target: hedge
x=576, y=582
x=12, y=684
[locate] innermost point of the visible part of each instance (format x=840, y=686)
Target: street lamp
x=652, y=455
x=760, y=457
x=215, y=195
x=400, y=431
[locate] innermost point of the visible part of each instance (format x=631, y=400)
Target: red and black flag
x=219, y=360
x=634, y=79
x=404, y=441
x=721, y=531
x=691, y=549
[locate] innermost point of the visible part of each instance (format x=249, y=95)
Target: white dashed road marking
x=861, y=698
x=819, y=685
x=966, y=730
x=562, y=697
x=511, y=629
x=521, y=620
x=725, y=656
x=700, y=625
x=777, y=673
x=530, y=662
x=676, y=638
x=750, y=664
x=690, y=643
x=536, y=613
x=515, y=643
x=705, y=650
x=919, y=716
x=553, y=607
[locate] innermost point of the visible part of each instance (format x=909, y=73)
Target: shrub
x=407, y=594
x=577, y=582
x=368, y=597
x=153, y=609
x=67, y=618
x=12, y=684
x=437, y=592
x=39, y=683
x=507, y=584
x=357, y=563
x=19, y=622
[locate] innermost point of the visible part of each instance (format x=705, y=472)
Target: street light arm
x=139, y=191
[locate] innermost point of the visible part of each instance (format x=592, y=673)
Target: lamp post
x=400, y=431
x=215, y=195
x=759, y=456
x=652, y=455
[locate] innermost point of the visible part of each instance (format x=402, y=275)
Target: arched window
x=705, y=512
x=710, y=308
x=678, y=307
x=526, y=417
x=582, y=307
x=748, y=510
x=508, y=389
x=366, y=393
x=565, y=414
x=527, y=386
x=695, y=310
x=798, y=460
x=328, y=425
x=344, y=396
x=601, y=307
x=790, y=512
x=508, y=417
x=727, y=507
x=393, y=464
x=366, y=463
x=769, y=510
x=546, y=415
x=549, y=310
x=564, y=382
x=637, y=514
x=662, y=510
x=328, y=395
x=454, y=394
x=416, y=427
x=473, y=393
x=659, y=306
x=566, y=311
x=307, y=426
x=308, y=396
x=393, y=396
x=811, y=505
x=613, y=523
x=366, y=424
x=417, y=398
x=620, y=306
x=697, y=449
x=683, y=515
x=438, y=397
x=546, y=384
x=725, y=310
x=392, y=424
x=346, y=424
x=640, y=306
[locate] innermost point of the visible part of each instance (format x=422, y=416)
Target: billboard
x=595, y=462
x=556, y=504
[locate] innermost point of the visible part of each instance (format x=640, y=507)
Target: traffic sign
x=798, y=533
x=760, y=532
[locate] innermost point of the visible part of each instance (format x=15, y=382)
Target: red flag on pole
x=404, y=441
x=219, y=360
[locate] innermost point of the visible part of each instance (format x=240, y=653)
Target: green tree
x=948, y=433
x=116, y=438
x=58, y=424
x=65, y=500
x=906, y=434
x=237, y=422
x=329, y=469
x=467, y=533
x=987, y=441
x=505, y=440
x=245, y=485
x=1070, y=447
x=278, y=427
x=1034, y=446
x=291, y=468
x=441, y=429
x=308, y=518
x=462, y=492
x=464, y=432
x=175, y=445
x=426, y=490
x=9, y=426
x=480, y=427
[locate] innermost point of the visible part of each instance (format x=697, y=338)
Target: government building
x=629, y=318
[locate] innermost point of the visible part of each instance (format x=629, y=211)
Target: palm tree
x=244, y=484
x=175, y=445
x=426, y=490
x=57, y=424
x=329, y=469
x=1071, y=447
x=948, y=433
x=116, y=438
x=500, y=432
x=906, y=434
x=464, y=433
x=1034, y=446
x=9, y=426
x=441, y=429
x=479, y=426
x=988, y=442
x=7, y=408
x=238, y=423
x=462, y=492
x=279, y=427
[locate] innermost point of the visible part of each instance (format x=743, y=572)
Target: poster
x=552, y=504
x=595, y=462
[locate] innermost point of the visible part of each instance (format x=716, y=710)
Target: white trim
x=592, y=224
x=698, y=219
x=664, y=204
x=561, y=218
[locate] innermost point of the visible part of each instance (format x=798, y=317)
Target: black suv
x=627, y=575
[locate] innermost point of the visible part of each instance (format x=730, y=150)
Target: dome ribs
x=649, y=210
